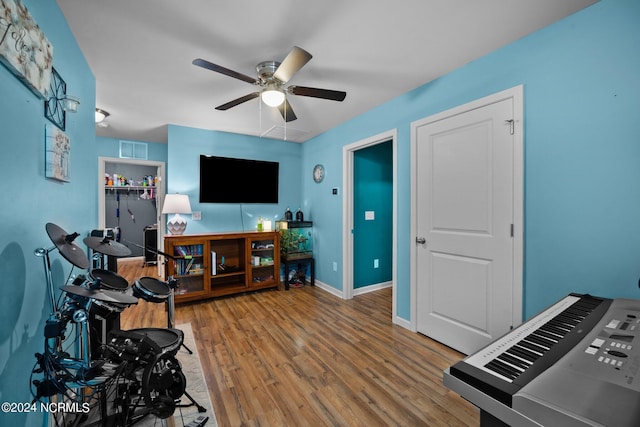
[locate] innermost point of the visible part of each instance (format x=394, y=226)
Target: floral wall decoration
x=24, y=49
x=58, y=154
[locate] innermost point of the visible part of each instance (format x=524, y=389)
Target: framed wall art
x=24, y=49
x=57, y=154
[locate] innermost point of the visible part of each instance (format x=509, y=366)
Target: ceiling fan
x=272, y=76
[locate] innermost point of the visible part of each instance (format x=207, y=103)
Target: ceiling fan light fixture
x=272, y=97
x=272, y=76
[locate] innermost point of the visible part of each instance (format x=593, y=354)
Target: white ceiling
x=140, y=52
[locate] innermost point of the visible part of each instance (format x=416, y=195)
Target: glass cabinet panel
x=188, y=267
x=262, y=262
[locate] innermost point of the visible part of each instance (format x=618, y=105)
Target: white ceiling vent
x=288, y=134
x=133, y=150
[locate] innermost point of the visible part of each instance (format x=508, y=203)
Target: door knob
x=421, y=240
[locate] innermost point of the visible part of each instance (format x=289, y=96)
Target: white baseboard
x=330, y=289
x=372, y=288
x=403, y=323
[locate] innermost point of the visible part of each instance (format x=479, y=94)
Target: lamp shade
x=176, y=203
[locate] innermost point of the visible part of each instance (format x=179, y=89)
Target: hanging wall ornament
x=53, y=107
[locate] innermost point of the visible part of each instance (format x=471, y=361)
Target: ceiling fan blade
x=287, y=112
x=227, y=72
x=333, y=95
x=238, y=101
x=294, y=61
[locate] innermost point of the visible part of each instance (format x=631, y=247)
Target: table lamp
x=176, y=204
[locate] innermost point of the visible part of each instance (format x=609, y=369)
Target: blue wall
x=373, y=191
x=183, y=168
x=29, y=201
x=582, y=155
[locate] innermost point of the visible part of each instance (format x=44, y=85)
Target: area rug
x=196, y=387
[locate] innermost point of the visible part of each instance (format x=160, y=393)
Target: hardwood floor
x=307, y=358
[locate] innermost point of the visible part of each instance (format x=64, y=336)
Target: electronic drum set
x=123, y=375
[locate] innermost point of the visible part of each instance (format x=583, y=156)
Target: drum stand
x=173, y=285
x=49, y=382
x=44, y=254
x=54, y=330
x=171, y=307
x=55, y=318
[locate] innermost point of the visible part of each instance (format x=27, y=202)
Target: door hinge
x=511, y=230
x=512, y=124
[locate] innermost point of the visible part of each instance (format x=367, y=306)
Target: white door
x=465, y=216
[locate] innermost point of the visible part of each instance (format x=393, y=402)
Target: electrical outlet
x=335, y=266
x=196, y=216
x=376, y=263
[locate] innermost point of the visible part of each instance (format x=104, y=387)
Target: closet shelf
x=129, y=187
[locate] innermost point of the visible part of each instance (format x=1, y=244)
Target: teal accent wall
x=373, y=191
x=582, y=155
x=185, y=145
x=28, y=201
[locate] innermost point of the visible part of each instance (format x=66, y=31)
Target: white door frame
x=160, y=192
x=347, y=211
x=515, y=93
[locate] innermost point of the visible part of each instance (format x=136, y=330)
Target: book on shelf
x=188, y=267
x=196, y=270
x=188, y=250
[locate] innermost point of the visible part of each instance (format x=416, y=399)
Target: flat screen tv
x=230, y=180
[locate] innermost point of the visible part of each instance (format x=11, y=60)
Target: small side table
x=287, y=263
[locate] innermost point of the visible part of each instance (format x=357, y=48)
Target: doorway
x=372, y=217
x=348, y=211
x=467, y=221
x=120, y=202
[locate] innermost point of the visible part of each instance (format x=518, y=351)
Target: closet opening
x=130, y=196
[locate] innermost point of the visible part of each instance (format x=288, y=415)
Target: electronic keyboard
x=574, y=364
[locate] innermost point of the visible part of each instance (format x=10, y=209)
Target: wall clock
x=53, y=107
x=318, y=173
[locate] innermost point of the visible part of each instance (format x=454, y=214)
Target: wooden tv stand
x=219, y=264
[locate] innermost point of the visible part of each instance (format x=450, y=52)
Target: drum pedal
x=198, y=422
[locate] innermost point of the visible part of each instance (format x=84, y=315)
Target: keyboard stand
x=492, y=411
